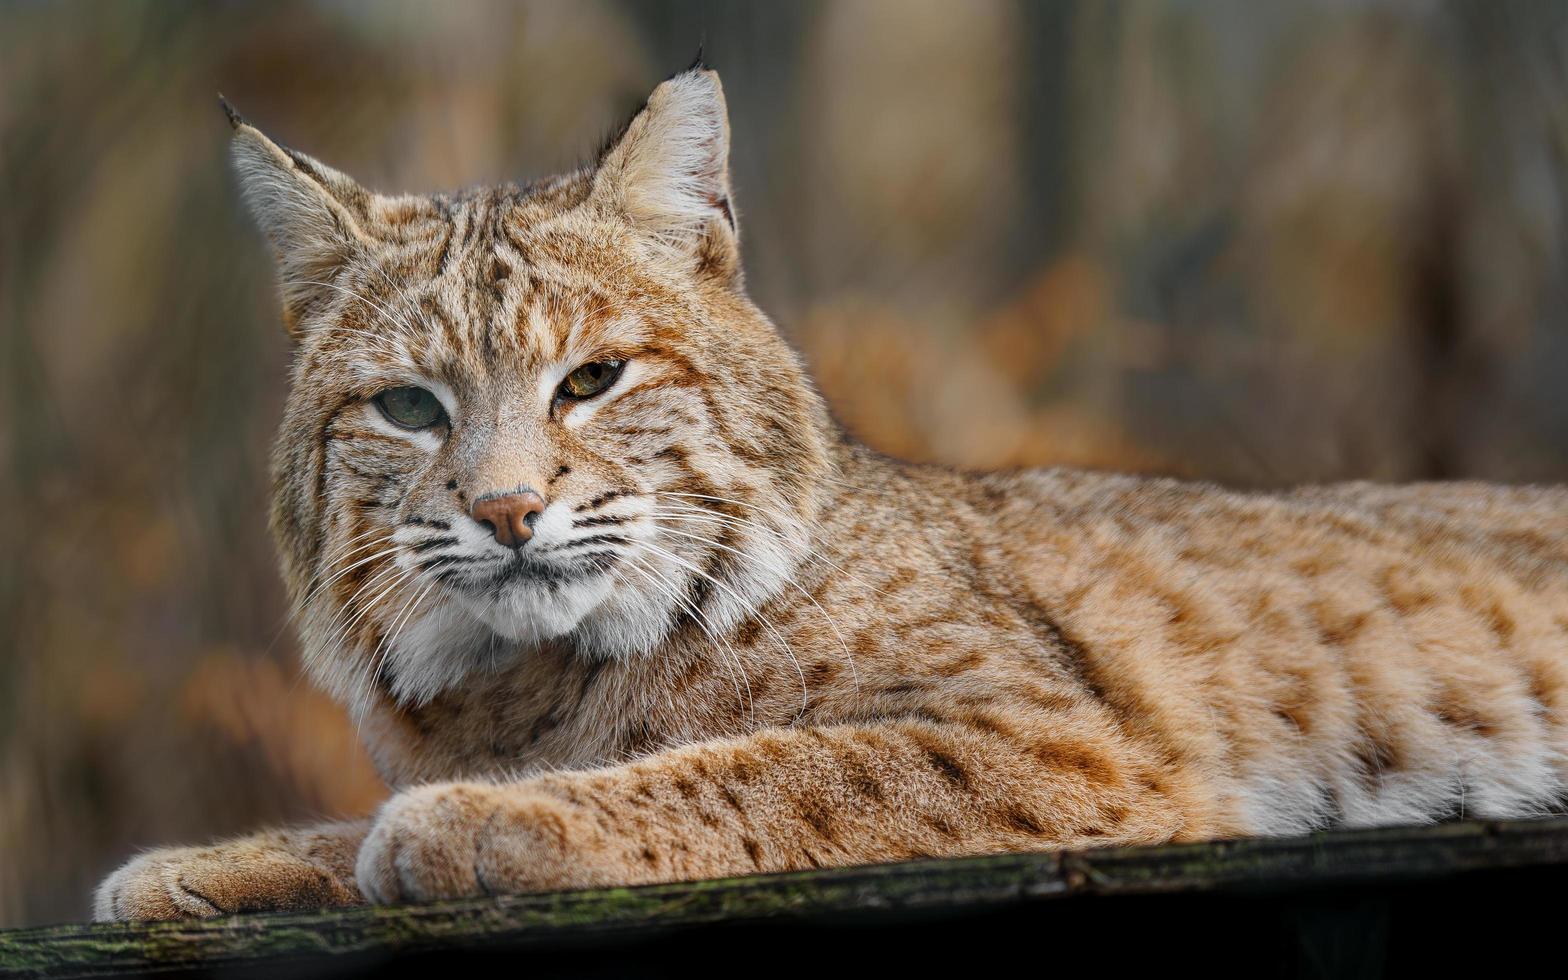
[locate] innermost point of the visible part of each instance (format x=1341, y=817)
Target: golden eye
x=410, y=407
x=590, y=379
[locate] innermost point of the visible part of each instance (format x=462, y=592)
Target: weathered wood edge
x=965, y=883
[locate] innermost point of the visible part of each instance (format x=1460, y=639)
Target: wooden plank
x=915, y=888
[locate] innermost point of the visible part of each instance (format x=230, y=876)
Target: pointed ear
x=311, y=214
x=668, y=172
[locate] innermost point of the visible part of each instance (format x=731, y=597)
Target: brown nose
x=510, y=515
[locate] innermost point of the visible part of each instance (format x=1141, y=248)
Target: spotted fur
x=738, y=641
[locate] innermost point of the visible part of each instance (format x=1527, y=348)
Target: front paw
x=460, y=840
x=202, y=882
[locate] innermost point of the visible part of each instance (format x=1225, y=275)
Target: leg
x=272, y=871
x=778, y=800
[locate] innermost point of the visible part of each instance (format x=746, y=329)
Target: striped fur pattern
x=740, y=642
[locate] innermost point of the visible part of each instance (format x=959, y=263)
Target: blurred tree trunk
x=1346, y=218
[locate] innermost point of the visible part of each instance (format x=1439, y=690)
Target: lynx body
x=572, y=534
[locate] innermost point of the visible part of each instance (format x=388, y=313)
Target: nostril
x=510, y=516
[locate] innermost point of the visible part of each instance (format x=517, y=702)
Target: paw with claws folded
x=459, y=840
x=267, y=873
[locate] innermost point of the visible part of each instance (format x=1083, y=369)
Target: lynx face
x=532, y=415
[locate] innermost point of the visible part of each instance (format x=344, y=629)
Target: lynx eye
x=410, y=407
x=590, y=379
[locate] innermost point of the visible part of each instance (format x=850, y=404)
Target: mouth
x=524, y=569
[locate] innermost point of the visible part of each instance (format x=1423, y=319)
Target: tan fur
x=790, y=651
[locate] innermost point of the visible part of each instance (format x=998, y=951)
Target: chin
x=534, y=611
x=595, y=616
x=469, y=634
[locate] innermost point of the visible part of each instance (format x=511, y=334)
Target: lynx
x=613, y=599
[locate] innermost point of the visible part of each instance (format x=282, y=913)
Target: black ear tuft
x=697, y=63
x=235, y=119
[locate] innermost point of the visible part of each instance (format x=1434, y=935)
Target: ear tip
x=699, y=70
x=699, y=83
x=235, y=119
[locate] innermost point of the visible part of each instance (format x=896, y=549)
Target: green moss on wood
x=968, y=883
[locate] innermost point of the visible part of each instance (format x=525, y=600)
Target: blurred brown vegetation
x=1260, y=243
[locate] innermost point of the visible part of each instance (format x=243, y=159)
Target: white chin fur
x=441, y=649
x=602, y=617
x=532, y=612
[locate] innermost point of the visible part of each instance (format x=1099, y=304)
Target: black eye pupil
x=590, y=379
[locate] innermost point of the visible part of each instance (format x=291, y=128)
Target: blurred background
x=1255, y=243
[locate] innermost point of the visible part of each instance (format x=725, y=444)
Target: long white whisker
x=380, y=576
x=349, y=568
x=390, y=641
x=832, y=624
x=295, y=610
x=347, y=604
x=745, y=522
x=805, y=694
x=384, y=648
x=347, y=548
x=392, y=577
x=679, y=509
x=701, y=620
